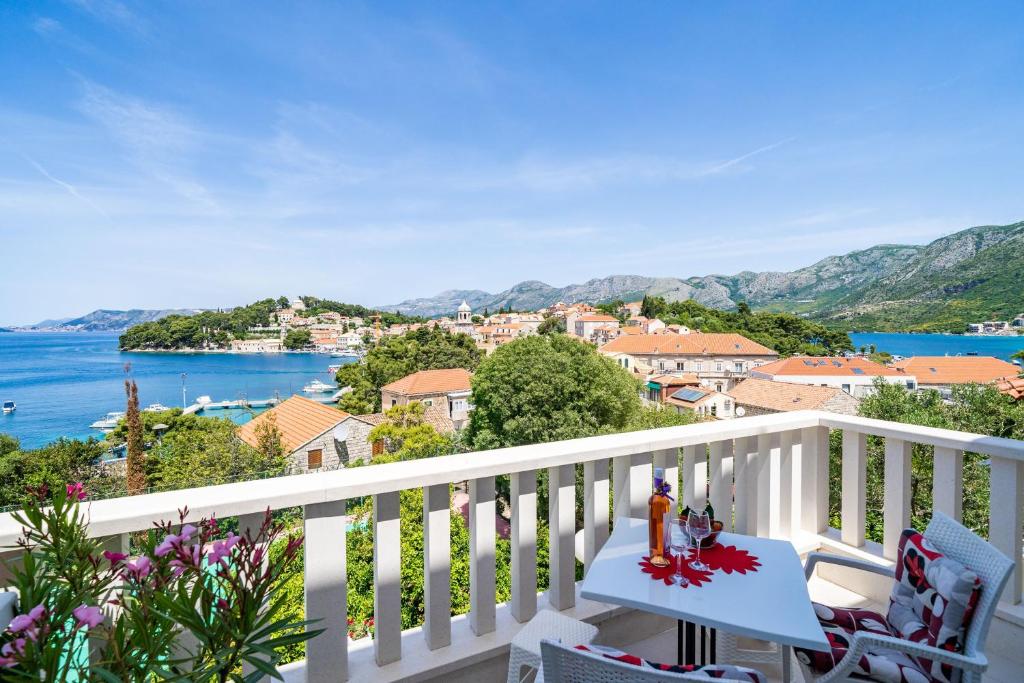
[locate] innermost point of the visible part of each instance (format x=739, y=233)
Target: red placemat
x=718, y=557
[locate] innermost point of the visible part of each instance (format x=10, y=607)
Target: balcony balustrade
x=771, y=471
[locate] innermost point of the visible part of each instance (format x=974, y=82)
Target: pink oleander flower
x=114, y=558
x=76, y=491
x=16, y=646
x=8, y=662
x=167, y=545
x=88, y=616
x=186, y=532
x=27, y=621
x=186, y=557
x=139, y=569
x=222, y=548
x=222, y=604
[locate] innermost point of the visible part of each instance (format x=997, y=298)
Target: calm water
x=939, y=344
x=64, y=382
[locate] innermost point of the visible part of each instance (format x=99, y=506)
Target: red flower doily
x=696, y=578
x=718, y=557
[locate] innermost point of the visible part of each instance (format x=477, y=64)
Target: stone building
x=307, y=433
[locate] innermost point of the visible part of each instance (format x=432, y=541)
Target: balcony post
x=326, y=591
x=896, y=502
x=1006, y=519
x=562, y=534
x=482, y=529
x=763, y=478
x=437, y=563
x=250, y=525
x=631, y=480
x=695, y=481
x=387, y=578
x=855, y=477
x=595, y=509
x=721, y=486
x=789, y=452
x=744, y=492
x=948, y=482
x=524, y=544
x=814, y=479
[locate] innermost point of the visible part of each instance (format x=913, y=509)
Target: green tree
x=548, y=388
x=55, y=465
x=297, y=339
x=135, y=465
x=552, y=324
x=407, y=436
x=206, y=451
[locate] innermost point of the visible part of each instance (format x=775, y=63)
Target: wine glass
x=699, y=526
x=679, y=542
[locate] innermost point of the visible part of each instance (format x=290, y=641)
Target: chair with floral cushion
x=597, y=664
x=947, y=584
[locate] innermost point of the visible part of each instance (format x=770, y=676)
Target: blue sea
x=63, y=382
x=939, y=344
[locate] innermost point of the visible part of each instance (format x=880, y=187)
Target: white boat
x=109, y=422
x=318, y=387
x=10, y=406
x=203, y=400
x=155, y=408
x=346, y=354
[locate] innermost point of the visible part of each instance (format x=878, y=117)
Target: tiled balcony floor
x=662, y=647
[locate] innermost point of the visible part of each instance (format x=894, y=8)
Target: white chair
x=525, y=648
x=961, y=544
x=564, y=664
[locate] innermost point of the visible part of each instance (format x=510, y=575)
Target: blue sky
x=179, y=154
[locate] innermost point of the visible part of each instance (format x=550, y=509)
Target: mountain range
x=106, y=320
x=972, y=275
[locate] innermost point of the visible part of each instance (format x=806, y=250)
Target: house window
x=680, y=366
x=846, y=388
x=718, y=366
x=661, y=365
x=393, y=403
x=728, y=406
x=625, y=363
x=378, y=447
x=428, y=402
x=718, y=387
x=714, y=409
x=910, y=384
x=738, y=367
x=314, y=459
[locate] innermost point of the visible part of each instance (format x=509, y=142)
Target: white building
x=856, y=376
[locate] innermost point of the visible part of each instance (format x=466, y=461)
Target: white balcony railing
x=777, y=465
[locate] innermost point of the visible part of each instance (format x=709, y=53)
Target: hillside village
x=710, y=375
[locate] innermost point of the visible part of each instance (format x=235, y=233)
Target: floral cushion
x=932, y=601
x=710, y=671
x=880, y=664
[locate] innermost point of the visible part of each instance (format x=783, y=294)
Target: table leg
x=679, y=641
x=787, y=674
x=691, y=643
x=713, y=656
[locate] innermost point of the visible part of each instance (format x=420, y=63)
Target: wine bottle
x=658, y=505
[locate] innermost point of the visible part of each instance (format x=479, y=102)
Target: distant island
x=970, y=276
x=105, y=320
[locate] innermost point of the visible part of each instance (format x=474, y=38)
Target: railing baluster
x=631, y=480
x=695, y=476
x=896, y=502
x=437, y=562
x=855, y=476
x=1006, y=519
x=746, y=509
x=948, y=482
x=595, y=508
x=482, y=528
x=326, y=591
x=721, y=486
x=789, y=451
x=763, y=469
x=250, y=525
x=814, y=479
x=562, y=528
x=524, y=544
x=387, y=578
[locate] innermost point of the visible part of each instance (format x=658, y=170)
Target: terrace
x=777, y=465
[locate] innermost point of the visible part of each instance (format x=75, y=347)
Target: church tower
x=465, y=316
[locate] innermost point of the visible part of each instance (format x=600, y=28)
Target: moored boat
x=318, y=387
x=10, y=406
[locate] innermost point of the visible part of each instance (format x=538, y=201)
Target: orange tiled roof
x=957, y=369
x=299, y=420
x=431, y=382
x=674, y=380
x=826, y=366
x=1012, y=387
x=782, y=396
x=695, y=343
x=631, y=330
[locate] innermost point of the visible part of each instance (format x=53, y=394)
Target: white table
x=770, y=604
